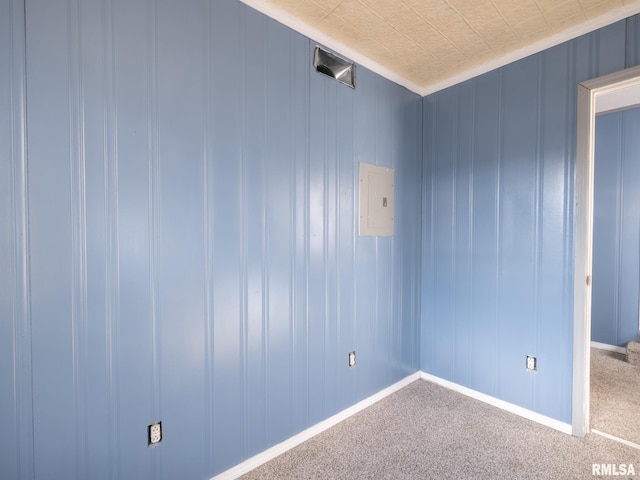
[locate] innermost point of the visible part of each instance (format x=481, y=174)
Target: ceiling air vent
x=335, y=67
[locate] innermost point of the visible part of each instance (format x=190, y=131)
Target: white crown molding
x=544, y=44
x=343, y=50
x=631, y=8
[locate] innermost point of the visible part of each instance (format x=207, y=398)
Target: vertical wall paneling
x=278, y=209
x=78, y=243
x=382, y=331
x=606, y=236
x=52, y=129
x=365, y=285
x=227, y=141
x=301, y=160
x=136, y=374
x=534, y=343
x=632, y=47
x=16, y=421
x=207, y=237
x=630, y=293
x=408, y=247
x=107, y=151
x=521, y=163
x=606, y=59
x=464, y=234
x=616, y=236
x=179, y=231
x=328, y=191
x=190, y=253
x=485, y=199
x=255, y=132
x=154, y=246
x=554, y=198
x=183, y=246
x=317, y=306
x=570, y=78
x=517, y=234
x=346, y=208
x=427, y=305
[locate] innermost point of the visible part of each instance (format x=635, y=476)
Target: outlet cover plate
x=352, y=358
x=532, y=363
x=154, y=434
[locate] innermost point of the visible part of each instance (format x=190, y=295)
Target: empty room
x=319, y=239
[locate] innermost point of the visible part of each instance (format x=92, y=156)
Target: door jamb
x=583, y=234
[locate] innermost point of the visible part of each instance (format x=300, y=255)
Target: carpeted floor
x=425, y=431
x=615, y=395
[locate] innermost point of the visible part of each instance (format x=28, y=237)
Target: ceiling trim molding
x=549, y=42
x=312, y=33
x=343, y=50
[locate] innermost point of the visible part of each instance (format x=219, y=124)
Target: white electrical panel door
x=376, y=200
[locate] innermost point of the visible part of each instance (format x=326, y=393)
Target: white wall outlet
x=352, y=358
x=154, y=434
x=532, y=363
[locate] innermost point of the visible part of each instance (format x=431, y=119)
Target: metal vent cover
x=335, y=67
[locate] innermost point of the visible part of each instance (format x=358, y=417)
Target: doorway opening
x=603, y=89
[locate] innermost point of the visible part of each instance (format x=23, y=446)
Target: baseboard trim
x=610, y=348
x=616, y=439
x=273, y=452
x=279, y=449
x=496, y=402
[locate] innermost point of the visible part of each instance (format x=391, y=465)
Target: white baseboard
x=271, y=453
x=616, y=439
x=496, y=402
x=279, y=449
x=610, y=348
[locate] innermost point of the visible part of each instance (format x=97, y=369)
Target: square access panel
x=376, y=200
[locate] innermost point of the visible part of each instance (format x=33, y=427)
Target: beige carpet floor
x=427, y=432
x=615, y=395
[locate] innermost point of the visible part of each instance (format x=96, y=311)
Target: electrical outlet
x=532, y=363
x=352, y=358
x=154, y=434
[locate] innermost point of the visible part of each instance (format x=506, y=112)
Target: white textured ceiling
x=427, y=45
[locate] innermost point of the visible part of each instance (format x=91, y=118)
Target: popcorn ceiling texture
x=429, y=41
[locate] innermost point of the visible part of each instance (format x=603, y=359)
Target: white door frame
x=583, y=234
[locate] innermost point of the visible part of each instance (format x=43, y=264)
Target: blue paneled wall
x=499, y=162
x=178, y=234
x=180, y=243
x=16, y=450
x=616, y=228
